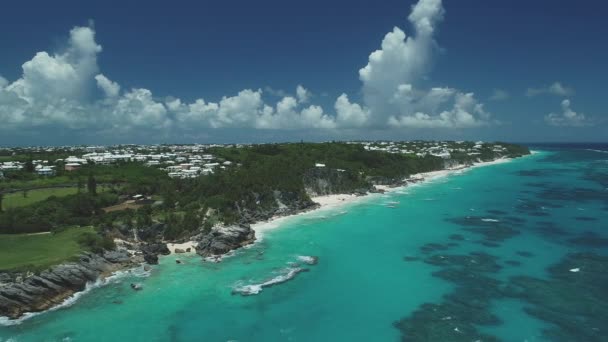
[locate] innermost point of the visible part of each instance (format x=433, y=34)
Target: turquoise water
x=362, y=284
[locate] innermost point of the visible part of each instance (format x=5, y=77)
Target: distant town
x=191, y=161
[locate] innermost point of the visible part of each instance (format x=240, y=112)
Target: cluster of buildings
x=41, y=167
x=189, y=161
x=442, y=149
x=179, y=161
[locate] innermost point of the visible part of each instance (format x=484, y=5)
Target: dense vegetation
x=253, y=179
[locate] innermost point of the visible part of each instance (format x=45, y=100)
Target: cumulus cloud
x=303, y=94
x=567, y=117
x=111, y=89
x=3, y=82
x=350, y=115
x=499, y=95
x=392, y=78
x=553, y=89
x=67, y=88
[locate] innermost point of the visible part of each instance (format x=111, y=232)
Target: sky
x=266, y=71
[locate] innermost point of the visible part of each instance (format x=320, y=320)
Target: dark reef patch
x=590, y=239
x=433, y=247
x=496, y=212
x=532, y=173
x=585, y=218
x=456, y=237
x=457, y=317
x=473, y=262
x=491, y=230
x=577, y=194
x=525, y=254
x=575, y=302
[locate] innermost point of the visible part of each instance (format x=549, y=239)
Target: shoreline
x=334, y=201
x=325, y=203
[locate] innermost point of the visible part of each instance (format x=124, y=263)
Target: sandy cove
x=183, y=246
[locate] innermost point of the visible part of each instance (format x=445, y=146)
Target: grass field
x=20, y=252
x=16, y=199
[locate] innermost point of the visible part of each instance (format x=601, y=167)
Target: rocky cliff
x=53, y=286
x=222, y=240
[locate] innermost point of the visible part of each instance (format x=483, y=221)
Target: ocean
x=508, y=252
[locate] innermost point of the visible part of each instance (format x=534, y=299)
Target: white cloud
x=350, y=115
x=137, y=108
x=568, y=117
x=3, y=82
x=465, y=113
x=499, y=95
x=554, y=89
x=58, y=89
x=111, y=89
x=303, y=94
x=392, y=77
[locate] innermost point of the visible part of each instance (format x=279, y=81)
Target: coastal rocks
x=152, y=233
x=136, y=286
x=309, y=260
x=283, y=203
x=222, y=240
x=152, y=250
x=53, y=286
x=179, y=251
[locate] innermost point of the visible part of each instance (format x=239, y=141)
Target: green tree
x=1, y=199
x=80, y=185
x=92, y=185
x=29, y=165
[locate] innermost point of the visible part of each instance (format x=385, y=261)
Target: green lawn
x=16, y=199
x=19, y=252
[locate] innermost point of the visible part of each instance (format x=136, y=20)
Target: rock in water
x=152, y=250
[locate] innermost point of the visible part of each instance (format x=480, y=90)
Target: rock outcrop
x=222, y=240
x=53, y=286
x=152, y=250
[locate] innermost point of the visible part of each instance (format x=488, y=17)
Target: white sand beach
x=183, y=246
x=329, y=202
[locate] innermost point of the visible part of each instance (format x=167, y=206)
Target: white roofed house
x=72, y=166
x=45, y=171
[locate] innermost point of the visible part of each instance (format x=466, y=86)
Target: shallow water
x=528, y=213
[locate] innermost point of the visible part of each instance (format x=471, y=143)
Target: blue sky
x=113, y=73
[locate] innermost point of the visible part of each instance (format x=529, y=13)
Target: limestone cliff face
x=326, y=181
x=53, y=286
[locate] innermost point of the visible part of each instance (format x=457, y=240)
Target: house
x=72, y=166
x=319, y=165
x=45, y=171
